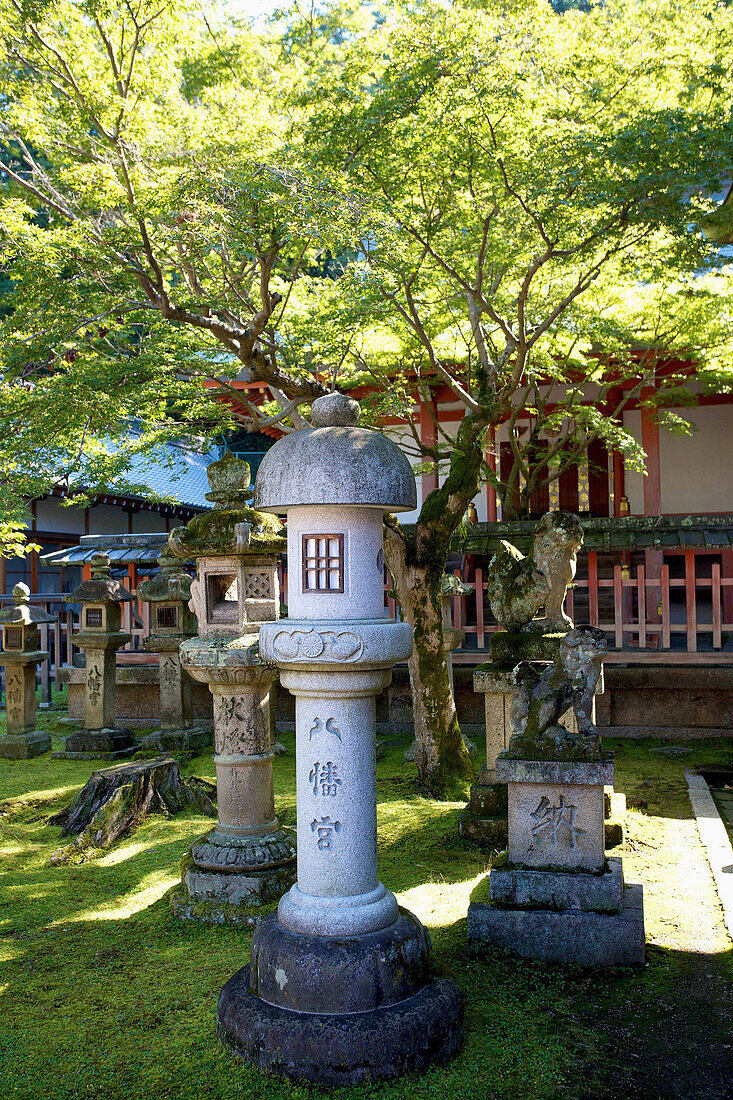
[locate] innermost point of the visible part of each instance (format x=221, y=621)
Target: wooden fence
x=688, y=617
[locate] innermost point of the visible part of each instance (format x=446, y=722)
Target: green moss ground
x=104, y=994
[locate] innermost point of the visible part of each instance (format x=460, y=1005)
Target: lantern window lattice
x=93, y=616
x=167, y=617
x=323, y=563
x=13, y=637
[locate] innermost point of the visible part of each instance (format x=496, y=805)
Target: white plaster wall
x=697, y=470
x=146, y=522
x=51, y=516
x=106, y=519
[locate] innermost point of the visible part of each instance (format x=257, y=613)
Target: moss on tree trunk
x=417, y=569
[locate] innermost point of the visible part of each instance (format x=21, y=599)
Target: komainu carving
x=520, y=587
x=544, y=691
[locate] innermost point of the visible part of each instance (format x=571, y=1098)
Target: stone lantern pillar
x=100, y=637
x=21, y=654
x=169, y=593
x=247, y=859
x=338, y=989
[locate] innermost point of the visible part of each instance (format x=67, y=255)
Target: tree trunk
x=442, y=760
x=115, y=800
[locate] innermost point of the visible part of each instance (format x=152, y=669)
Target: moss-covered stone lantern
x=247, y=859
x=173, y=623
x=100, y=637
x=21, y=653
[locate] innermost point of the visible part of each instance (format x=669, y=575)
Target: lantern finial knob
x=21, y=593
x=335, y=410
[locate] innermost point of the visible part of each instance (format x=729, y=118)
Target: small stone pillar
x=338, y=989
x=556, y=896
x=247, y=859
x=21, y=654
x=173, y=623
x=100, y=637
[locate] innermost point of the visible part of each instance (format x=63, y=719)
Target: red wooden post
x=717, y=608
x=641, y=603
x=428, y=437
x=665, y=608
x=650, y=443
x=491, y=508
x=619, y=482
x=479, y=592
x=690, y=605
x=593, y=586
x=618, y=608
x=726, y=561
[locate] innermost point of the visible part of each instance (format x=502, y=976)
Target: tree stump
x=115, y=800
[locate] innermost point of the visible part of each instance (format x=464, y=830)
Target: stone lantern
x=338, y=989
x=247, y=859
x=100, y=637
x=21, y=653
x=169, y=593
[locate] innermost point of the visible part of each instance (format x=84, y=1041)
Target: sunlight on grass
x=439, y=903
x=119, y=855
x=129, y=904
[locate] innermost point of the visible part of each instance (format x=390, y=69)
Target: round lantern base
x=341, y=1048
x=337, y=1009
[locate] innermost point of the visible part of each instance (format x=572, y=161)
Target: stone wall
x=674, y=701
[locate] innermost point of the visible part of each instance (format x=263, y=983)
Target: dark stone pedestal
x=22, y=746
x=225, y=877
x=106, y=744
x=485, y=817
x=340, y=1011
x=193, y=739
x=576, y=937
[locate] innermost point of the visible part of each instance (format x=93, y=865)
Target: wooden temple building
x=655, y=573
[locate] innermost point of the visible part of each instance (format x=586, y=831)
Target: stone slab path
x=679, y=1046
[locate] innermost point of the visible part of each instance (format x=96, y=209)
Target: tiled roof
x=170, y=470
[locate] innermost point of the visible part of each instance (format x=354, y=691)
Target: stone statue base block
x=571, y=936
x=192, y=739
x=485, y=817
x=104, y=744
x=22, y=746
x=601, y=893
x=340, y=1010
x=556, y=812
x=489, y=830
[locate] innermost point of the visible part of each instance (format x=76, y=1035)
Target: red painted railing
x=637, y=612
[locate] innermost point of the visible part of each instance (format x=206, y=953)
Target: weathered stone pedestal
x=247, y=859
x=338, y=989
x=169, y=592
x=557, y=897
x=100, y=637
x=21, y=654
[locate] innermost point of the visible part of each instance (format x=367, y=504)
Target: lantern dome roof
x=335, y=462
